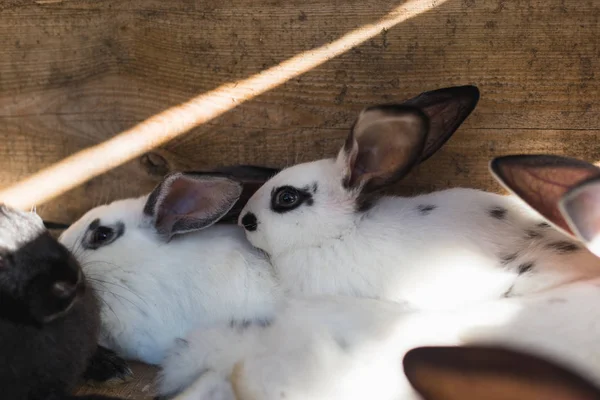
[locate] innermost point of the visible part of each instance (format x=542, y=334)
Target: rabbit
x=491, y=373
x=344, y=347
x=160, y=272
x=327, y=229
x=49, y=317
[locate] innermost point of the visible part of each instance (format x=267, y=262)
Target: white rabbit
x=339, y=347
x=155, y=283
x=327, y=231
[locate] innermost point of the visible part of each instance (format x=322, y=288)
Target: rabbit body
x=154, y=292
x=49, y=316
x=337, y=347
x=36, y=362
x=438, y=250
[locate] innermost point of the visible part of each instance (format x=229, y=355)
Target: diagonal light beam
x=160, y=128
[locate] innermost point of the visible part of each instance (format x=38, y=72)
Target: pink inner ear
x=581, y=206
x=192, y=202
x=542, y=180
x=542, y=189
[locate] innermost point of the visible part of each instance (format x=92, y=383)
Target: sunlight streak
x=159, y=129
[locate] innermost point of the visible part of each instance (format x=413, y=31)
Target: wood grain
x=73, y=73
x=141, y=388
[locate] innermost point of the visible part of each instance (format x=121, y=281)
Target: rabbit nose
x=63, y=289
x=249, y=222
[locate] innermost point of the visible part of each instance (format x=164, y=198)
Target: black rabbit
x=49, y=316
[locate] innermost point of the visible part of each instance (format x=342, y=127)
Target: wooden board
x=141, y=388
x=74, y=73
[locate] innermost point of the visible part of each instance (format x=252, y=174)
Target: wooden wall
x=74, y=73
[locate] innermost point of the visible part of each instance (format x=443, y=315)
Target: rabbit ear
x=386, y=141
x=185, y=202
x=542, y=180
x=252, y=178
x=581, y=209
x=447, y=109
x=383, y=145
x=491, y=373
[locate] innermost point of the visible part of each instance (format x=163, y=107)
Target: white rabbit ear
x=542, y=180
x=447, y=109
x=581, y=209
x=383, y=145
x=186, y=202
x=491, y=373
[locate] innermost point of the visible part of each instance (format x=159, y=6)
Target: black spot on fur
x=365, y=202
x=342, y=343
x=508, y=259
x=525, y=267
x=315, y=187
x=94, y=224
x=531, y=234
x=563, y=247
x=426, y=209
x=543, y=225
x=508, y=293
x=498, y=212
x=246, y=323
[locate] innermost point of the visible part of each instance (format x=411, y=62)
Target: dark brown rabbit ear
x=252, y=178
x=542, y=180
x=491, y=373
x=581, y=209
x=447, y=109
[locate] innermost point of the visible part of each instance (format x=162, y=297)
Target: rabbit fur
x=342, y=347
x=157, y=284
x=327, y=229
x=49, y=318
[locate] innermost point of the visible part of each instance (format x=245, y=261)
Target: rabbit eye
x=287, y=198
x=102, y=235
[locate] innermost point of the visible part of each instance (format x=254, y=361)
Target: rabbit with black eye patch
x=163, y=266
x=347, y=348
x=328, y=229
x=49, y=317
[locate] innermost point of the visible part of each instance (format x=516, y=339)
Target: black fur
x=532, y=234
x=498, y=212
x=426, y=209
x=246, y=323
x=46, y=339
x=508, y=259
x=525, y=267
x=106, y=366
x=563, y=247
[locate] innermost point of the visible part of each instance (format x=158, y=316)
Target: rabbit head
x=157, y=269
x=40, y=281
x=491, y=373
x=564, y=190
x=306, y=203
